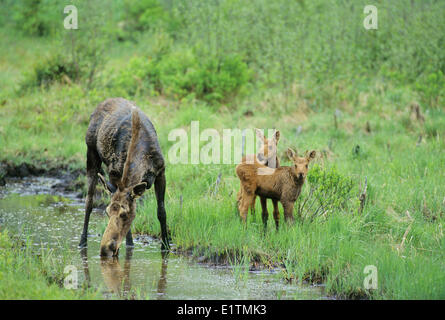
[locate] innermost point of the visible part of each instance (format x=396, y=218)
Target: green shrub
x=329, y=191
x=37, y=17
x=55, y=68
x=220, y=80
x=142, y=15
x=431, y=87
x=76, y=55
x=133, y=79
x=147, y=15
x=180, y=73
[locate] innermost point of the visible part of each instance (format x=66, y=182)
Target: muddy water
x=32, y=208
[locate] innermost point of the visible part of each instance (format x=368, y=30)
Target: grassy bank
x=348, y=93
x=27, y=273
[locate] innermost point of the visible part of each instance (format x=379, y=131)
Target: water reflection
x=117, y=279
x=162, y=283
x=86, y=270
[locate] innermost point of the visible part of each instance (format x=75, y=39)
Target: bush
x=147, y=15
x=329, y=191
x=77, y=54
x=55, y=68
x=37, y=17
x=142, y=15
x=133, y=79
x=180, y=73
x=431, y=87
x=220, y=80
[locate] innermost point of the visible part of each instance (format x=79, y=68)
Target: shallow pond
x=32, y=208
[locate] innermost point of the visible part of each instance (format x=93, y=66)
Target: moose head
x=267, y=154
x=301, y=164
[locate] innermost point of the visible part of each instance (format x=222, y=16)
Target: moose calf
x=281, y=184
x=267, y=155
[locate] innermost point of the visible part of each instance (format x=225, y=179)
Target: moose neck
x=138, y=168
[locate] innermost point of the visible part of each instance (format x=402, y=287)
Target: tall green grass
x=28, y=273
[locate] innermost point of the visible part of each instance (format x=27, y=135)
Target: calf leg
x=239, y=197
x=264, y=213
x=276, y=213
x=93, y=167
x=162, y=216
x=252, y=208
x=288, y=212
x=245, y=204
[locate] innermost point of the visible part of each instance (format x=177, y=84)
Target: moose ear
x=277, y=136
x=291, y=153
x=311, y=155
x=138, y=190
x=259, y=134
x=109, y=188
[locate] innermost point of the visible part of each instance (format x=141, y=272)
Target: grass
x=335, y=250
x=28, y=273
x=356, y=113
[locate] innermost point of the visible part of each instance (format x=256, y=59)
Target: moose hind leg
x=93, y=168
x=162, y=216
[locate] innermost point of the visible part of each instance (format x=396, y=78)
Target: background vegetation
x=307, y=68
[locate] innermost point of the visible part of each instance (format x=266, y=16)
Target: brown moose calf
x=267, y=155
x=281, y=184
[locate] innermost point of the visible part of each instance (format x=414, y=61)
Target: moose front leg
x=93, y=168
x=129, y=239
x=264, y=213
x=162, y=216
x=288, y=212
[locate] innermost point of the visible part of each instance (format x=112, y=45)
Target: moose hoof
x=165, y=247
x=82, y=245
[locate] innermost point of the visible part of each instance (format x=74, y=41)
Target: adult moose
x=122, y=137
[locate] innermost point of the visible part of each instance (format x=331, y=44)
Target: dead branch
x=362, y=196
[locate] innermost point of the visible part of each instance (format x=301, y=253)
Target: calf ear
x=291, y=153
x=259, y=135
x=311, y=155
x=109, y=188
x=277, y=136
x=138, y=190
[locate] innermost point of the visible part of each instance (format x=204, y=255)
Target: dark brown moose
x=122, y=137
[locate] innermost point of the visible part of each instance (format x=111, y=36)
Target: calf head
x=301, y=164
x=267, y=154
x=121, y=213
